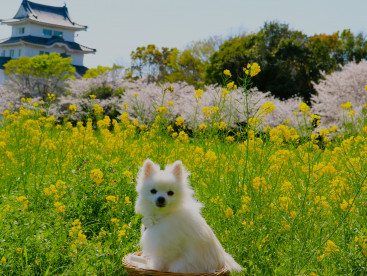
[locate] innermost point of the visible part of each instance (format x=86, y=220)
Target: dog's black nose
x=161, y=201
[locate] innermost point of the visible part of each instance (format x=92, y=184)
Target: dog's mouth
x=160, y=205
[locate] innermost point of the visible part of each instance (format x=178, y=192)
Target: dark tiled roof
x=81, y=70
x=47, y=42
x=3, y=60
x=47, y=14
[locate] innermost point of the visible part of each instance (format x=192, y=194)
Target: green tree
x=351, y=47
x=203, y=49
x=290, y=61
x=172, y=65
x=39, y=75
x=331, y=51
x=324, y=50
x=187, y=68
x=152, y=63
x=285, y=60
x=234, y=54
x=100, y=70
x=105, y=81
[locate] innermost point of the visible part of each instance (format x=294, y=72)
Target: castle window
x=21, y=31
x=47, y=32
x=57, y=33
x=12, y=53
x=19, y=52
x=3, y=53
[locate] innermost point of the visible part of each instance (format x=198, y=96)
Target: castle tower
x=41, y=29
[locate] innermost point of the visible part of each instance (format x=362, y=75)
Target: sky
x=117, y=27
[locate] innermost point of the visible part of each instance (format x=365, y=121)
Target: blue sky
x=117, y=27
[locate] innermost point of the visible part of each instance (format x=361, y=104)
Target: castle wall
x=2, y=76
x=38, y=30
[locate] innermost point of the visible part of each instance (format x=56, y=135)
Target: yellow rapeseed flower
x=97, y=176
x=347, y=105
x=171, y=89
x=170, y=129
x=59, y=207
x=230, y=139
x=111, y=198
x=224, y=92
x=97, y=109
x=115, y=221
x=221, y=125
x=180, y=121
x=331, y=247
x=214, y=109
x=72, y=108
x=127, y=200
x=51, y=97
x=198, y=94
x=304, y=108
x=333, y=128
x=230, y=85
x=252, y=69
x=228, y=212
x=206, y=111
x=162, y=109
x=203, y=127
x=266, y=108
x=183, y=137
x=127, y=174
x=351, y=113
x=227, y=73
x=253, y=121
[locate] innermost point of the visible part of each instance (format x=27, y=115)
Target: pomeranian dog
x=175, y=237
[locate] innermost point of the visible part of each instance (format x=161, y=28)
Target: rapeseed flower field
x=282, y=201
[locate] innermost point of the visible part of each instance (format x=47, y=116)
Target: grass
x=281, y=201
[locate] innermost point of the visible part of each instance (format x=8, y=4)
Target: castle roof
x=43, y=14
x=4, y=60
x=46, y=42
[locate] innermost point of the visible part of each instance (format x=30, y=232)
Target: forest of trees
x=290, y=60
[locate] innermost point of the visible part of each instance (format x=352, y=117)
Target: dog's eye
x=170, y=193
x=153, y=191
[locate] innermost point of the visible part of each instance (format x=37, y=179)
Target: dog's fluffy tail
x=231, y=264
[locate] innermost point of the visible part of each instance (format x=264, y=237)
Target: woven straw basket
x=134, y=270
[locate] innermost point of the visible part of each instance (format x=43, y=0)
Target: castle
x=39, y=29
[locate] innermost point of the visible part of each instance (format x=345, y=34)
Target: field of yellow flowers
x=281, y=201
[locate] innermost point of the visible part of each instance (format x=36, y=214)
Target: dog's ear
x=147, y=169
x=178, y=170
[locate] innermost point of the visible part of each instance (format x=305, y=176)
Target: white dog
x=175, y=237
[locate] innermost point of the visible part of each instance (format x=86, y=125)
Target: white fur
x=175, y=237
